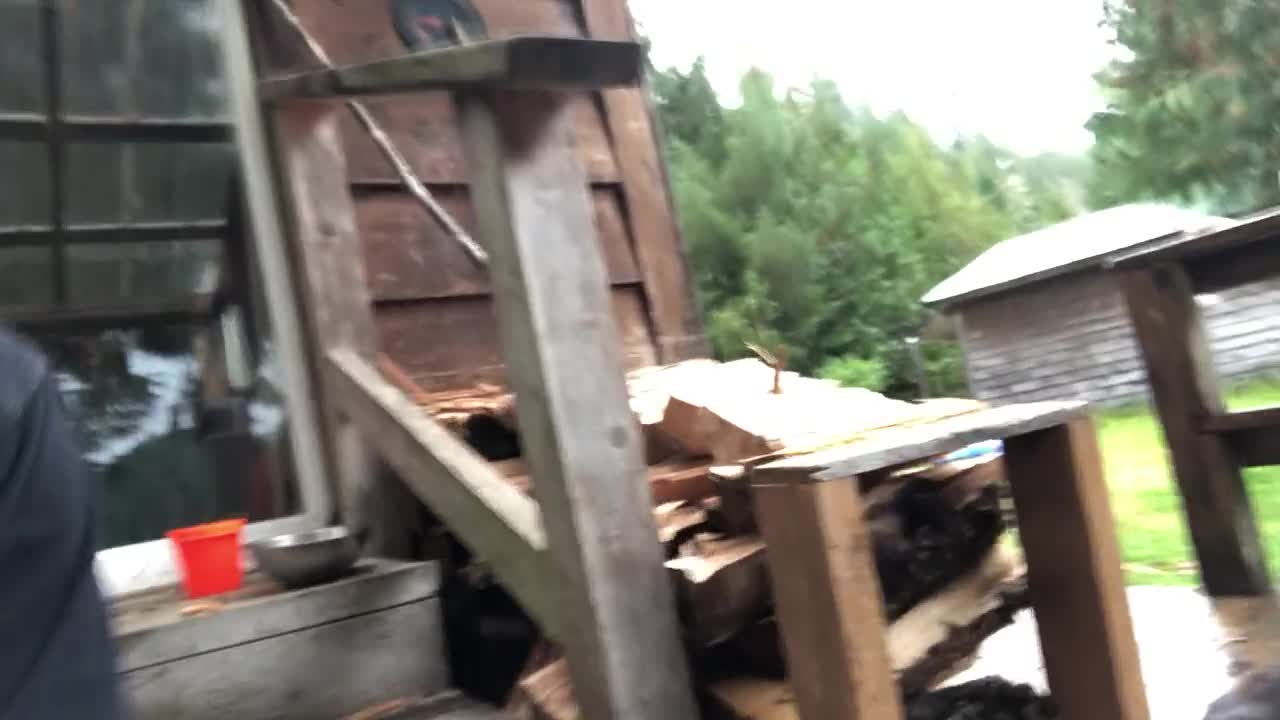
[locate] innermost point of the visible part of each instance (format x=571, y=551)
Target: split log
x=929, y=643
x=677, y=522
x=733, y=513
x=731, y=412
x=922, y=542
x=547, y=694
x=746, y=697
x=722, y=584
x=925, y=535
x=677, y=480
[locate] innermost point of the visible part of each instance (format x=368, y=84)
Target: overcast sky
x=1019, y=71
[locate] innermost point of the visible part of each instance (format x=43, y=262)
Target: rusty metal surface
x=408, y=257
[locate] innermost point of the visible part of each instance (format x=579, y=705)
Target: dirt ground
x=1189, y=653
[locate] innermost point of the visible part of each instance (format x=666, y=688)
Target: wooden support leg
x=564, y=361
x=1168, y=325
x=1073, y=565
x=829, y=607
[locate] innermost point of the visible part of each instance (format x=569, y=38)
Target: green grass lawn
x=1153, y=538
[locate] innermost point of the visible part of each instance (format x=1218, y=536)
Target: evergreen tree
x=1193, y=103
x=814, y=228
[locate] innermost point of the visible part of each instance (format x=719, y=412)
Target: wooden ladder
x=583, y=560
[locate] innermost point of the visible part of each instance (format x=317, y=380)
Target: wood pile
x=948, y=580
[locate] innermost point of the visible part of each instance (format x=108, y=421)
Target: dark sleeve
x=58, y=659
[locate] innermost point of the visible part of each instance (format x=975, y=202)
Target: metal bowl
x=307, y=558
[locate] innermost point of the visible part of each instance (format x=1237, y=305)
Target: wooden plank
x=149, y=629
x=895, y=446
x=1077, y=587
x=578, y=434
x=828, y=601
x=1257, y=418
x=55, y=146
x=1253, y=447
x=333, y=296
x=408, y=256
x=413, y=334
x=549, y=693
x=317, y=464
x=1258, y=229
x=195, y=309
x=363, y=32
x=111, y=234
x=498, y=522
x=723, y=585
x=448, y=705
x=424, y=127
x=115, y=130
x=668, y=281
x=545, y=63
x=1215, y=501
x=753, y=698
x=686, y=481
x=335, y=303
x=326, y=671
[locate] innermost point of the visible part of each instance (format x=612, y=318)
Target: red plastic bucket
x=208, y=557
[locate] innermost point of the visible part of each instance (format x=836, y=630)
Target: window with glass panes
x=121, y=256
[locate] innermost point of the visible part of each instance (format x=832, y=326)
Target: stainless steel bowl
x=307, y=558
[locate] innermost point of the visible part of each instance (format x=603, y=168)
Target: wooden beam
x=55, y=144
x=306, y=174
x=1073, y=565
x=266, y=231
x=1267, y=418
x=1186, y=248
x=1174, y=345
x=498, y=522
x=828, y=600
x=894, y=446
x=113, y=234
x=563, y=356
x=335, y=301
x=1235, y=266
x=646, y=189
x=1253, y=446
x=131, y=130
x=564, y=63
x=192, y=309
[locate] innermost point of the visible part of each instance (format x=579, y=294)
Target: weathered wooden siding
x=1070, y=338
x=432, y=303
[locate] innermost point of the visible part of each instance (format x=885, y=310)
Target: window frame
x=142, y=566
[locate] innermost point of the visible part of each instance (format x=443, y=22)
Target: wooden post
x=306, y=182
x=1073, y=566
x=288, y=330
x=1169, y=329
x=564, y=361
x=646, y=189
x=828, y=599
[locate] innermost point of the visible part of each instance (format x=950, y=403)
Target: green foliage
x=852, y=371
x=1192, y=104
x=815, y=228
x=944, y=365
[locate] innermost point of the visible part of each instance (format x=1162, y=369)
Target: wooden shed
x=432, y=302
x=1039, y=318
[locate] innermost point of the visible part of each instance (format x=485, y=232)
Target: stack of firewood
x=947, y=578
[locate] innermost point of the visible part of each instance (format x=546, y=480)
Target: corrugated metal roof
x=1071, y=245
